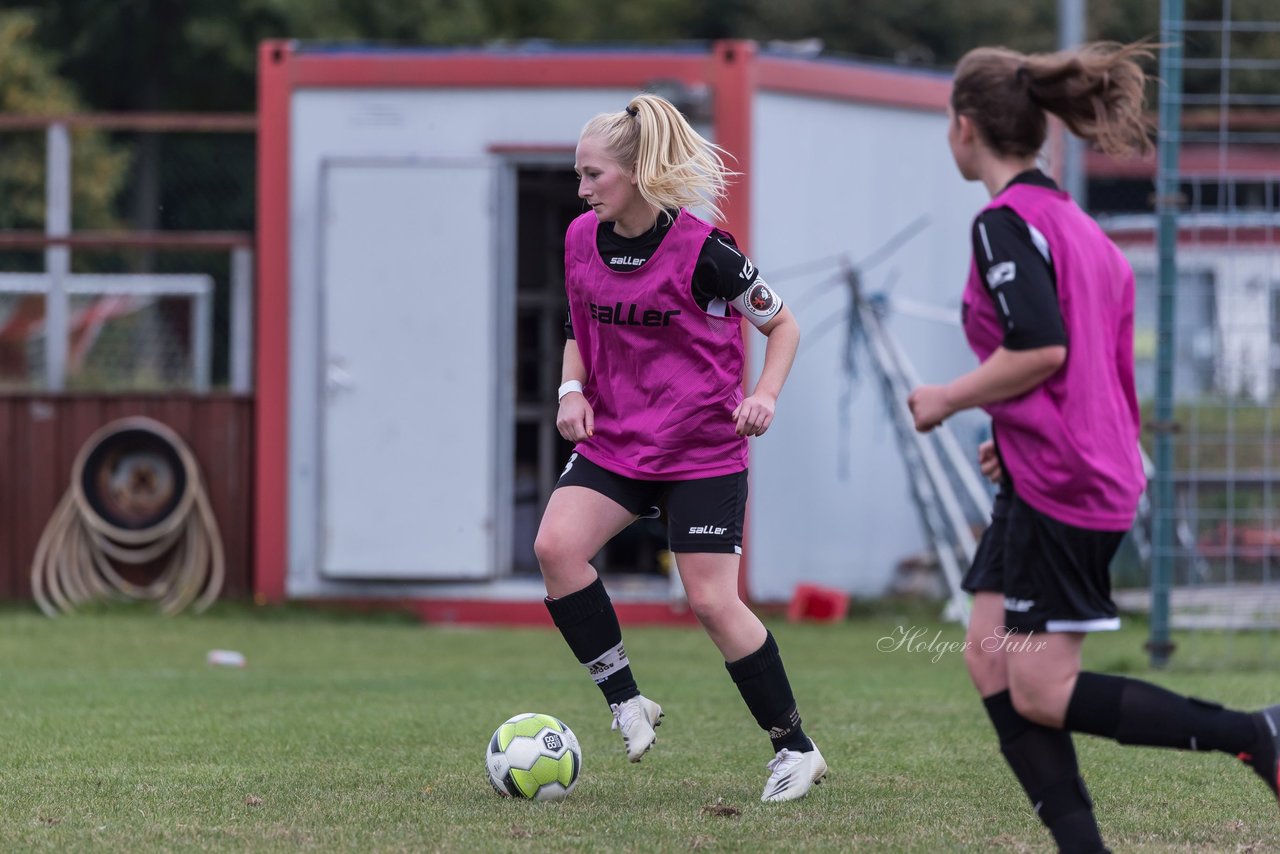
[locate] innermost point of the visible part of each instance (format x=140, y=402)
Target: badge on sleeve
x=760, y=300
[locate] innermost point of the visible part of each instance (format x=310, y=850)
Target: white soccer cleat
x=792, y=774
x=636, y=719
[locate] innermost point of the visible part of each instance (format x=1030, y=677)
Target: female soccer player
x=1048, y=309
x=652, y=397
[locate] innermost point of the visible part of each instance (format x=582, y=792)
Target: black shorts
x=1055, y=577
x=703, y=515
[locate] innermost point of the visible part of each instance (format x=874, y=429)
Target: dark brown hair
x=1096, y=89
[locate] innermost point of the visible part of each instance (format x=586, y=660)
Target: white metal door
x=407, y=421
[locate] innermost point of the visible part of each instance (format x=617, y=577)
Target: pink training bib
x=663, y=376
x=1071, y=444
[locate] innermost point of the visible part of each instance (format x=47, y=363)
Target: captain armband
x=758, y=303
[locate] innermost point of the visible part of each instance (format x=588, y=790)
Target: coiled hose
x=136, y=495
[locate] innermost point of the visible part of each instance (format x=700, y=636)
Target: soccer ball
x=534, y=756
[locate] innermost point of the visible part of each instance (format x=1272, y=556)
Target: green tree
x=199, y=55
x=169, y=55
x=913, y=32
x=29, y=84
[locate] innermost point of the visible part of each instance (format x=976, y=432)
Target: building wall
x=1225, y=325
x=455, y=308
x=40, y=436
x=828, y=177
x=839, y=179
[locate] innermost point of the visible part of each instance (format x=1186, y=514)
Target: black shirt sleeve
x=723, y=270
x=1017, y=268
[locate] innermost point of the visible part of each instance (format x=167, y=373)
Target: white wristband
x=570, y=386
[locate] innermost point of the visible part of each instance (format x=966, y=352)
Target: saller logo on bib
x=706, y=529
x=631, y=315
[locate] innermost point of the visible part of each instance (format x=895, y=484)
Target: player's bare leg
x=752, y=659
x=576, y=525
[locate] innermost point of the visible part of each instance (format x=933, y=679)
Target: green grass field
x=368, y=734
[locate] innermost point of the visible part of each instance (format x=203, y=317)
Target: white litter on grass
x=225, y=658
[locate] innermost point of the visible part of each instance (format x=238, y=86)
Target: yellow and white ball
x=534, y=756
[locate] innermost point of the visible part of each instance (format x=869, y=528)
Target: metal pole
x=241, y=320
x=1071, y=32
x=57, y=259
x=1162, y=524
x=201, y=340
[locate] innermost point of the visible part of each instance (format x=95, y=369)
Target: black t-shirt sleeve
x=1017, y=268
x=568, y=327
x=725, y=280
x=723, y=270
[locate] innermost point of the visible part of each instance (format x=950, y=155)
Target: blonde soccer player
x=653, y=400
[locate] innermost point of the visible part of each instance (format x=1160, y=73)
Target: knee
x=975, y=658
x=711, y=611
x=552, y=550
x=986, y=667
x=1034, y=704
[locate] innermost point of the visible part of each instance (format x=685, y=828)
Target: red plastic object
x=818, y=604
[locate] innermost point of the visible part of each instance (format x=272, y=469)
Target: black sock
x=762, y=682
x=1135, y=712
x=1044, y=761
x=590, y=626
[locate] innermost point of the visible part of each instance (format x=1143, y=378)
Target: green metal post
x=1159, y=645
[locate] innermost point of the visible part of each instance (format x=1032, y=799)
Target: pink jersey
x=1071, y=443
x=663, y=375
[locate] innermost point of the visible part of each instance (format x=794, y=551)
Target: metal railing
x=58, y=284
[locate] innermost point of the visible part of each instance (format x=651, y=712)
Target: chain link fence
x=1210, y=554
x=126, y=258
